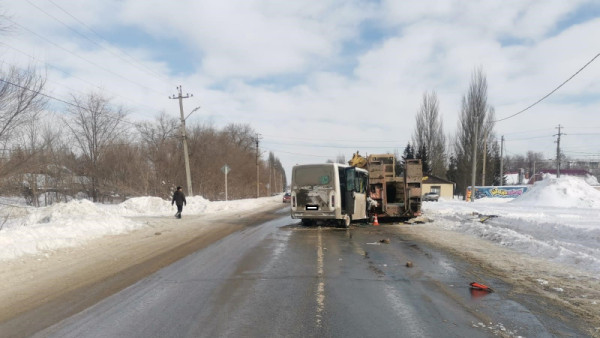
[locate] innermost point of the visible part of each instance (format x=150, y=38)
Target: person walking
x=179, y=199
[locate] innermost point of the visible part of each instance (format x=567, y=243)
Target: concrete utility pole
x=257, y=166
x=502, y=160
x=188, y=175
x=558, y=152
x=474, y=159
x=484, y=159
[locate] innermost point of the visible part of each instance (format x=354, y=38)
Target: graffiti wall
x=511, y=191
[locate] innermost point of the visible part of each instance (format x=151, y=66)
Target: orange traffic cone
x=375, y=221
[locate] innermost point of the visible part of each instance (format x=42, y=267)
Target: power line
x=528, y=138
x=81, y=57
x=553, y=91
x=71, y=75
x=326, y=146
x=143, y=67
x=328, y=140
x=300, y=154
x=525, y=131
x=60, y=100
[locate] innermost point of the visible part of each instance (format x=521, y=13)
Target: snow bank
x=31, y=230
x=557, y=219
x=196, y=205
x=566, y=191
x=59, y=226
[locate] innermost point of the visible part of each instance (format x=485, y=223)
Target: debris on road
x=409, y=264
x=482, y=217
x=477, y=286
x=419, y=220
x=385, y=241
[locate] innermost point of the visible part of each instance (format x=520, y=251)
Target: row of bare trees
x=92, y=151
x=454, y=159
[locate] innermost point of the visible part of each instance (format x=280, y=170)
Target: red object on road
x=478, y=286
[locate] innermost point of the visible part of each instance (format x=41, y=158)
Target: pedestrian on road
x=179, y=199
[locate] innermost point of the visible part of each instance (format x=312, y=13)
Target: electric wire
x=528, y=138
x=326, y=146
x=552, y=92
x=82, y=58
x=145, y=69
x=61, y=100
x=326, y=140
x=300, y=154
x=73, y=76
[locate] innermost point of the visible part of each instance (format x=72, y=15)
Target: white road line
x=321, y=281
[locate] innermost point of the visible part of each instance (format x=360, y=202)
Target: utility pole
x=270, y=174
x=558, y=152
x=188, y=175
x=257, y=166
x=474, y=159
x=502, y=160
x=484, y=158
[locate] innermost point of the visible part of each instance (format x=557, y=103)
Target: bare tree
x=429, y=137
x=159, y=145
x=475, y=125
x=94, y=124
x=20, y=99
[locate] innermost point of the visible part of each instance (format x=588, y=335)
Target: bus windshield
x=314, y=175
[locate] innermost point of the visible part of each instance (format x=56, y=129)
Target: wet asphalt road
x=281, y=279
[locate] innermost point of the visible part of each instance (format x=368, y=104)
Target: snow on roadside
x=30, y=231
x=155, y=206
x=558, y=219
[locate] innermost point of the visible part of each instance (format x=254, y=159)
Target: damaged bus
x=329, y=192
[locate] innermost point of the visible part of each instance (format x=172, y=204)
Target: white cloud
x=417, y=46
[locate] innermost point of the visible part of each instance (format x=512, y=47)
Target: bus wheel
x=307, y=222
x=345, y=222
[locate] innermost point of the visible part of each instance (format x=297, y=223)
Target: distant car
x=287, y=197
x=431, y=197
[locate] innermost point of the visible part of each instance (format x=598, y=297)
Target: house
x=438, y=185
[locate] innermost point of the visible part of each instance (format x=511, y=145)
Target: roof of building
x=570, y=172
x=431, y=179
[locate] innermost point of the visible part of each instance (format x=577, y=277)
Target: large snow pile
x=558, y=219
x=58, y=226
x=154, y=206
x=566, y=191
x=30, y=230
x=591, y=180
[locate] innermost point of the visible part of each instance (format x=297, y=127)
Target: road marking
x=321, y=281
x=407, y=314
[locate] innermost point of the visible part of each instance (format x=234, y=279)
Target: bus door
x=360, y=195
x=347, y=192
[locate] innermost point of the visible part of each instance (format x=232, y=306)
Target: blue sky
x=327, y=78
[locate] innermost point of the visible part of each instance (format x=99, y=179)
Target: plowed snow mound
x=157, y=206
x=564, y=192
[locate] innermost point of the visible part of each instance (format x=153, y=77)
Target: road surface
x=281, y=279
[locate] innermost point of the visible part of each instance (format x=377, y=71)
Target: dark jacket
x=179, y=198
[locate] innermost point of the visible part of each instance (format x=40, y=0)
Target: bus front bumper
x=314, y=215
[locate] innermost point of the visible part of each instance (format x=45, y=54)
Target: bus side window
x=350, y=179
x=362, y=179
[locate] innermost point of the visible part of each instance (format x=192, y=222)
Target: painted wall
x=512, y=191
x=446, y=189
